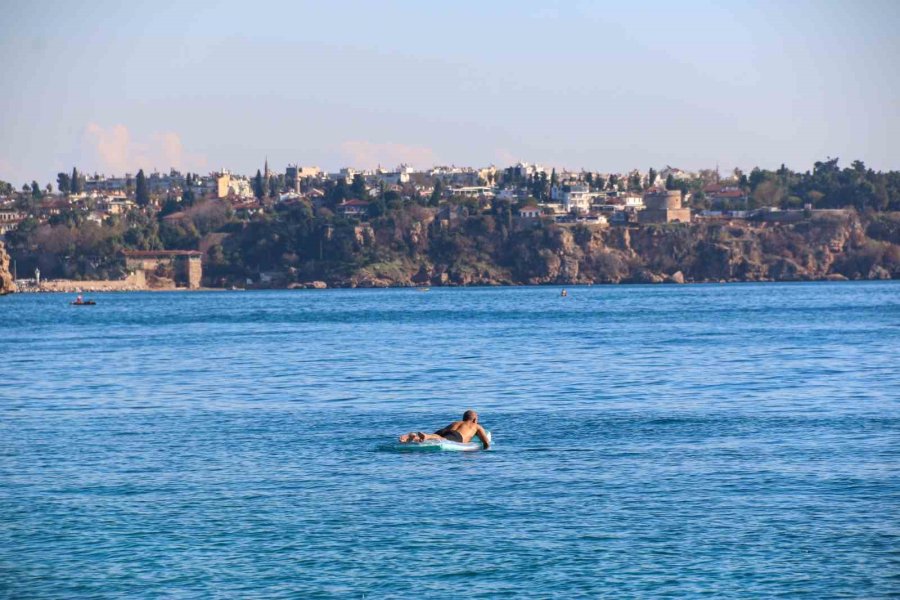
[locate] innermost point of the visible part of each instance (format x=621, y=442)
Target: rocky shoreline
x=824, y=249
x=7, y=284
x=646, y=279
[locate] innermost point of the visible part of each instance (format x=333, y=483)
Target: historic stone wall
x=133, y=283
x=194, y=272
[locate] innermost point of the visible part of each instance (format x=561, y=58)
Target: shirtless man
x=457, y=431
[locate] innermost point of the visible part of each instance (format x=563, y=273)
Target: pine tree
x=258, y=189
x=187, y=194
x=141, y=194
x=62, y=182
x=651, y=177
x=358, y=187
x=436, y=193
x=75, y=184
x=670, y=182
x=273, y=187
x=634, y=182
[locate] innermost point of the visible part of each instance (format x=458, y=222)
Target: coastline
x=73, y=287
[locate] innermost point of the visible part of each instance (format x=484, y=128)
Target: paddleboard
x=443, y=445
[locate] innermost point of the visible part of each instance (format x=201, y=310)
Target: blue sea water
x=736, y=440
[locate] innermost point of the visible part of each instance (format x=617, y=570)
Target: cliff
x=830, y=247
x=7, y=285
x=412, y=245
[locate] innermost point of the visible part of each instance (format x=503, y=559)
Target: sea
x=736, y=440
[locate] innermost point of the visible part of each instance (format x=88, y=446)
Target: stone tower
x=664, y=206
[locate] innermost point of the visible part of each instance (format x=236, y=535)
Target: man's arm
x=483, y=436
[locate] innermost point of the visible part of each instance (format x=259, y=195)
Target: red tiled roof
x=54, y=203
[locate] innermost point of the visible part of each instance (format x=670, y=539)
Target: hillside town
x=670, y=195
x=194, y=230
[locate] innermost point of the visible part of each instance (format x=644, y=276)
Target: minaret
x=266, y=169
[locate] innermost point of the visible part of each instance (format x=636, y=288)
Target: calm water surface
x=676, y=441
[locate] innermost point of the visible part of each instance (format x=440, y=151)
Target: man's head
x=470, y=415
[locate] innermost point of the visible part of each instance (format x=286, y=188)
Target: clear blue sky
x=113, y=86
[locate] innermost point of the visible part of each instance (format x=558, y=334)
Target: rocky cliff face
x=7, y=285
x=826, y=248
x=833, y=248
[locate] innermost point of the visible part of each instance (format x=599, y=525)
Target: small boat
x=83, y=303
x=424, y=289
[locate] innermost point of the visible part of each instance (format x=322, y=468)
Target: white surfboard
x=444, y=445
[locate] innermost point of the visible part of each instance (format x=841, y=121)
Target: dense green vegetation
x=403, y=232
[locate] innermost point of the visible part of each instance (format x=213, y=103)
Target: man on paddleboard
x=457, y=431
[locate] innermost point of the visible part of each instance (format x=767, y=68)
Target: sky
x=111, y=87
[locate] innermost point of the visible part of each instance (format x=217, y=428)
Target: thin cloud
x=368, y=155
x=116, y=151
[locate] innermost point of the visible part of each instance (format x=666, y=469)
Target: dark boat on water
x=84, y=303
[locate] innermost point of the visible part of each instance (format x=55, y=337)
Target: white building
x=633, y=201
x=530, y=212
x=474, y=191
x=392, y=178
x=574, y=198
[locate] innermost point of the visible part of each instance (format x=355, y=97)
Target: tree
x=670, y=182
x=377, y=208
x=36, y=191
x=757, y=176
x=651, y=177
x=358, y=187
x=75, y=185
x=187, y=194
x=634, y=181
x=767, y=193
x=273, y=187
x=259, y=189
x=553, y=178
x=62, y=182
x=436, y=193
x=141, y=194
